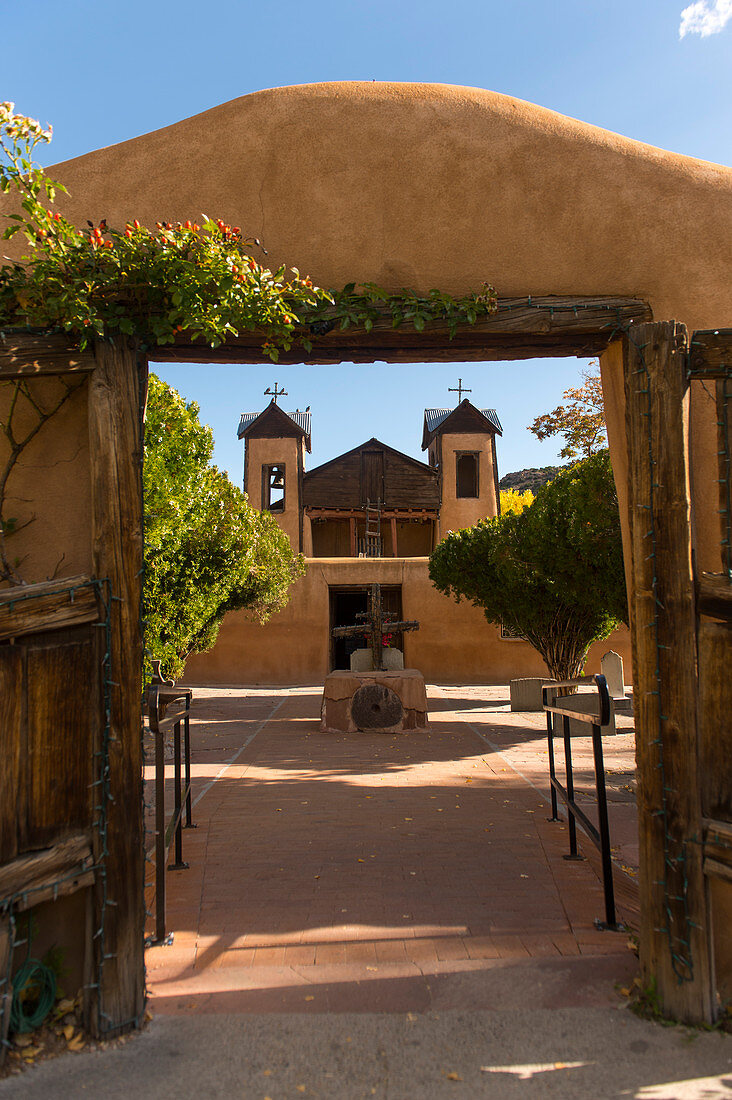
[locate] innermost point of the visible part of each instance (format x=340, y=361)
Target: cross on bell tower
x=460, y=389
x=275, y=393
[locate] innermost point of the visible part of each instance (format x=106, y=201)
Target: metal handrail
x=600, y=836
x=168, y=707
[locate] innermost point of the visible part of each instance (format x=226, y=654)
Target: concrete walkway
x=341, y=873
x=389, y=917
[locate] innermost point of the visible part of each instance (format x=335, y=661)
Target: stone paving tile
x=346, y=857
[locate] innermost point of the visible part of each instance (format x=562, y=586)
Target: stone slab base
x=374, y=702
x=526, y=693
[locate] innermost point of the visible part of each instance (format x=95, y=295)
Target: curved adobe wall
x=433, y=185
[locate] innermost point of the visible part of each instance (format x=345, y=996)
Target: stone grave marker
x=611, y=667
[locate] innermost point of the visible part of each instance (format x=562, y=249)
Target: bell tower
x=274, y=461
x=461, y=444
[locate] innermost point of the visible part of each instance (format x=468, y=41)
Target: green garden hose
x=34, y=995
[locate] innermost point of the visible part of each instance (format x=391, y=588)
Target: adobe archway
x=415, y=185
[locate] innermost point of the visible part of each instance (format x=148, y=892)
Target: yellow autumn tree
x=581, y=420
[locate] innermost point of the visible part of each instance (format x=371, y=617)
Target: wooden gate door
x=682, y=652
x=70, y=704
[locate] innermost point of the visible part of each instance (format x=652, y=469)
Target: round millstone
x=375, y=707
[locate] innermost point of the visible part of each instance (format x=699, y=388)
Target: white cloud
x=705, y=17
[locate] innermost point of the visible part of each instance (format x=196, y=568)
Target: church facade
x=371, y=515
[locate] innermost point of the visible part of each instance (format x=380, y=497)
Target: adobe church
x=372, y=515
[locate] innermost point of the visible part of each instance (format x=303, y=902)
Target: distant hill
x=529, y=479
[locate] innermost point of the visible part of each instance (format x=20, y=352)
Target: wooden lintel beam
x=522, y=328
x=23, y=355
x=710, y=353
x=52, y=605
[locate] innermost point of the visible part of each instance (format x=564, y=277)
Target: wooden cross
x=376, y=623
x=275, y=393
x=460, y=389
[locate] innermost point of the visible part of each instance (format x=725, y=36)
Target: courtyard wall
x=455, y=643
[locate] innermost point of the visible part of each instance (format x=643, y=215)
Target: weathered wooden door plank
x=61, y=739
x=51, y=605
x=12, y=795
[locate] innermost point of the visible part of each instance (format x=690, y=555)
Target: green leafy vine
x=155, y=284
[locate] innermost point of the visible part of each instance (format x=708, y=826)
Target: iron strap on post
x=168, y=707
x=600, y=834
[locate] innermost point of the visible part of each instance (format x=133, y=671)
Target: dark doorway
x=345, y=604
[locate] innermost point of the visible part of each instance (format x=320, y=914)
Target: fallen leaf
x=266, y=1072
x=69, y=1032
x=300, y=1088
x=77, y=1043
x=310, y=997
x=453, y=1076
x=411, y=1017
x=23, y=1041
x=360, y=861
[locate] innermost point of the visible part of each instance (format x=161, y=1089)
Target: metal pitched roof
x=434, y=417
x=300, y=418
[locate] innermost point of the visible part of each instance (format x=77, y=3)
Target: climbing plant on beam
x=153, y=284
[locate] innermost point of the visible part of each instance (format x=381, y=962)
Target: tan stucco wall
x=271, y=452
x=454, y=642
x=433, y=185
x=457, y=512
x=50, y=486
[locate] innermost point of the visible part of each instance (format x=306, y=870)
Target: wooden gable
x=369, y=471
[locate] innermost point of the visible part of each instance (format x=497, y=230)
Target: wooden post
x=394, y=551
x=354, y=551
x=117, y=391
x=724, y=449
x=675, y=940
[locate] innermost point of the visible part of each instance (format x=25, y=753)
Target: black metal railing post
x=600, y=835
x=550, y=745
x=571, y=821
x=187, y=756
x=168, y=707
x=604, y=827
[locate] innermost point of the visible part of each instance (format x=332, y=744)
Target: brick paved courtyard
x=386, y=873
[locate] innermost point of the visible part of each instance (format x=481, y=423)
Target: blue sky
x=102, y=73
